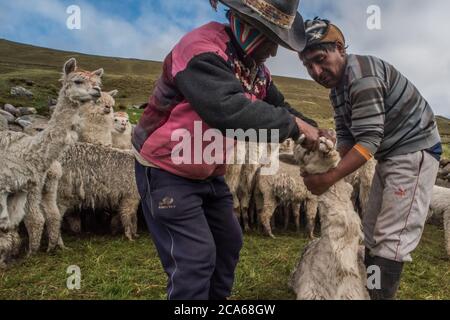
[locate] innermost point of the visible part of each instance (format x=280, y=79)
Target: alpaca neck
x=341, y=225
x=339, y=222
x=47, y=146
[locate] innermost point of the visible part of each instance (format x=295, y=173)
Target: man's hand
x=318, y=184
x=311, y=134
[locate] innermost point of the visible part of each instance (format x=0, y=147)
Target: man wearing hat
x=378, y=113
x=214, y=76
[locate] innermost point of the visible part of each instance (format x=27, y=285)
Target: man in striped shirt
x=378, y=113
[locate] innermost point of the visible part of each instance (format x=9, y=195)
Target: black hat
x=277, y=19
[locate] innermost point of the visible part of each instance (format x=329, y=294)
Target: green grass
x=113, y=268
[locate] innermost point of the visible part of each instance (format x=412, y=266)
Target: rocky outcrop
x=21, y=92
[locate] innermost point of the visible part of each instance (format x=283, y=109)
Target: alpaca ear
x=113, y=93
x=99, y=72
x=301, y=139
x=332, y=133
x=70, y=66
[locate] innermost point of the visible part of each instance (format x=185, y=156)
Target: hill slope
x=133, y=78
x=20, y=64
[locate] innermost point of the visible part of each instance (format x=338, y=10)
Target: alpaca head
x=79, y=85
x=106, y=102
x=287, y=146
x=318, y=161
x=121, y=121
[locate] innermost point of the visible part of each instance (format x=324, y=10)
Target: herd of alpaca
x=26, y=159
x=261, y=194
x=65, y=166
x=83, y=160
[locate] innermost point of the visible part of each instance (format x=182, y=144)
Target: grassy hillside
x=20, y=63
x=134, y=79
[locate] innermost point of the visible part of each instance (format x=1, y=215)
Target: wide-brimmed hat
x=277, y=19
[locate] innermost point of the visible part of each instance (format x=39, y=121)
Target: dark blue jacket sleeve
x=212, y=89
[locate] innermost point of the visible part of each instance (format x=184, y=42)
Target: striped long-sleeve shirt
x=380, y=110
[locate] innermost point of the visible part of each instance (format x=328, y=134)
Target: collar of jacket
x=248, y=61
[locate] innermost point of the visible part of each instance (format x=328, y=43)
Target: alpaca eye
x=78, y=82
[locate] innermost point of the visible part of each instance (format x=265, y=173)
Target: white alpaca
x=95, y=176
x=9, y=246
x=233, y=178
x=95, y=126
x=440, y=206
x=361, y=180
x=331, y=267
x=26, y=159
x=241, y=178
x=121, y=133
x=287, y=146
x=97, y=120
x=285, y=188
x=246, y=184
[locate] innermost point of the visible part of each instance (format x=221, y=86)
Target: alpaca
x=232, y=178
x=26, y=159
x=9, y=246
x=95, y=127
x=95, y=176
x=285, y=188
x=366, y=174
x=121, y=133
x=244, y=192
x=240, y=179
x=97, y=120
x=331, y=266
x=361, y=180
x=440, y=208
x=287, y=146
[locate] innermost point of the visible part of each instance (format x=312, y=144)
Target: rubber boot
x=390, y=277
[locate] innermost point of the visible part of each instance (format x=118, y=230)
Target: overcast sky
x=413, y=35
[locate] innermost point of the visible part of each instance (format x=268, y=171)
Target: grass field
x=113, y=268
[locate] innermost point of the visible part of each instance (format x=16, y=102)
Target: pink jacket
x=168, y=110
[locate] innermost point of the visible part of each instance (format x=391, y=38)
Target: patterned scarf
x=248, y=37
